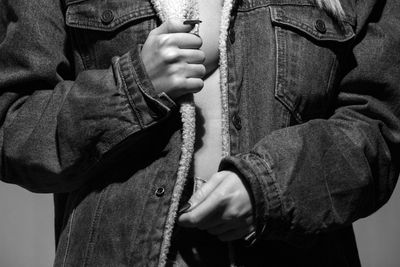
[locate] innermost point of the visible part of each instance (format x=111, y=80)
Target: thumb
x=172, y=26
x=203, y=192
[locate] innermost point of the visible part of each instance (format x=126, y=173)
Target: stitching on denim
x=135, y=76
x=68, y=238
x=280, y=80
x=73, y=19
x=132, y=70
x=274, y=3
x=328, y=36
x=141, y=85
x=270, y=172
x=85, y=58
x=95, y=222
x=304, y=26
x=74, y=2
x=260, y=181
x=333, y=65
x=347, y=18
x=130, y=100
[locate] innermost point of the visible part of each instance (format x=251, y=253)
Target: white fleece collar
x=188, y=9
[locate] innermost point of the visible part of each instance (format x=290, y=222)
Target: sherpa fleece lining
x=188, y=9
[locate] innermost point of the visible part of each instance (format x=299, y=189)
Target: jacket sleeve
x=327, y=173
x=56, y=128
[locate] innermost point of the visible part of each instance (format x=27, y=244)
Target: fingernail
x=185, y=208
x=192, y=22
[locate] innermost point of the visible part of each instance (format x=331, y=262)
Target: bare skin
x=208, y=146
x=176, y=66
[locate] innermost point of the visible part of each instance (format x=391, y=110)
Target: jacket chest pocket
x=103, y=29
x=309, y=44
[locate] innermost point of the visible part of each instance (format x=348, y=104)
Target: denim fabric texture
x=314, y=125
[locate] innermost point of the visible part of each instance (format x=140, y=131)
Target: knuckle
x=193, y=219
x=177, y=82
x=199, y=194
x=218, y=176
x=234, y=212
x=200, y=40
x=221, y=196
x=169, y=55
x=175, y=69
x=202, y=70
x=199, y=86
x=202, y=56
x=163, y=40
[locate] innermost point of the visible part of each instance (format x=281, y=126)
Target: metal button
x=232, y=35
x=107, y=16
x=320, y=26
x=237, y=121
x=160, y=191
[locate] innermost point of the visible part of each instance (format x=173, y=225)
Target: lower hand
x=221, y=206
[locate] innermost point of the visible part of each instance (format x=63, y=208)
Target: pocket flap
x=312, y=21
x=106, y=15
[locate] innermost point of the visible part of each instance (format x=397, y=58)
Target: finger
x=192, y=86
x=189, y=219
x=219, y=200
x=183, y=40
x=195, y=71
x=207, y=212
x=172, y=26
x=235, y=234
x=205, y=191
x=193, y=56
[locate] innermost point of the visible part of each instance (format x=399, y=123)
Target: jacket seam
x=95, y=221
x=130, y=99
x=94, y=24
x=68, y=238
x=269, y=172
x=348, y=19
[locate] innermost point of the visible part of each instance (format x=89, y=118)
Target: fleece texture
x=188, y=9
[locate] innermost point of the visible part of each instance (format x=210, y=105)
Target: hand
x=222, y=207
x=172, y=59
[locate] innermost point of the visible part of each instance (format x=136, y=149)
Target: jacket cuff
x=146, y=103
x=264, y=191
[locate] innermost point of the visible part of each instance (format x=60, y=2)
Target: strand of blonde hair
x=332, y=6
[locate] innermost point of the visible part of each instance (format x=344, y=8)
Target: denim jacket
x=313, y=125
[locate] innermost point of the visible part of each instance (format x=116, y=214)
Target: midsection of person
x=208, y=101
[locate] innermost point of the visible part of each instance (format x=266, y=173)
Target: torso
x=208, y=100
x=208, y=147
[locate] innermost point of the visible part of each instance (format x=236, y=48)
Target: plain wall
x=27, y=238
x=378, y=236
x=26, y=228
